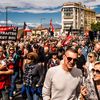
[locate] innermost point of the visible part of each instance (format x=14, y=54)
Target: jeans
x=4, y=94
x=35, y=97
x=28, y=93
x=13, y=84
x=31, y=95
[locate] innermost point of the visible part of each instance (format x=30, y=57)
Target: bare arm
x=8, y=72
x=2, y=67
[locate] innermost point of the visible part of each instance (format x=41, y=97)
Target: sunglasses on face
x=90, y=56
x=70, y=59
x=97, y=71
x=29, y=58
x=11, y=49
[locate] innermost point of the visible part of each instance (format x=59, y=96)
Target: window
x=68, y=9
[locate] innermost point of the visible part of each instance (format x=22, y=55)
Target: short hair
x=54, y=53
x=71, y=49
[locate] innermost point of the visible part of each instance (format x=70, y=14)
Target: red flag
x=51, y=26
x=26, y=29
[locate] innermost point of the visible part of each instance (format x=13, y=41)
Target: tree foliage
x=95, y=27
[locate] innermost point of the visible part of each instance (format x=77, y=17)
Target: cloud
x=58, y=23
x=33, y=24
x=42, y=6
x=19, y=24
x=92, y=3
x=41, y=10
x=28, y=24
x=4, y=22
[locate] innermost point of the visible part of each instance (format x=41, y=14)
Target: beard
x=70, y=66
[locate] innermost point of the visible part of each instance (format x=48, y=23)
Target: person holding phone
x=93, y=86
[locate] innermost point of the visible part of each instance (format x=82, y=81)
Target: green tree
x=95, y=27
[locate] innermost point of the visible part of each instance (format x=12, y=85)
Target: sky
x=36, y=12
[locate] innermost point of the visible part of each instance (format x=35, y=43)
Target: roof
x=97, y=15
x=40, y=27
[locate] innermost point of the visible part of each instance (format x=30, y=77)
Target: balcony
x=68, y=17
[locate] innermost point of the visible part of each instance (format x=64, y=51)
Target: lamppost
x=7, y=13
x=41, y=25
x=42, y=20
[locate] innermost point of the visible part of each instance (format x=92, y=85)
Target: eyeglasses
x=29, y=58
x=90, y=56
x=97, y=71
x=11, y=49
x=70, y=59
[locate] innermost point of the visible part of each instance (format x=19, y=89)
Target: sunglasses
x=90, y=56
x=29, y=58
x=11, y=49
x=70, y=59
x=97, y=71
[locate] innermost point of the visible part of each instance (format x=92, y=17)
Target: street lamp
x=42, y=20
x=7, y=13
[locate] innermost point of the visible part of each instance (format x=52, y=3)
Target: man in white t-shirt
x=63, y=81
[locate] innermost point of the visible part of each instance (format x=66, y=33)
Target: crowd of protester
x=29, y=62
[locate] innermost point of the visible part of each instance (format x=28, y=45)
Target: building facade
x=89, y=18
x=77, y=16
x=97, y=17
